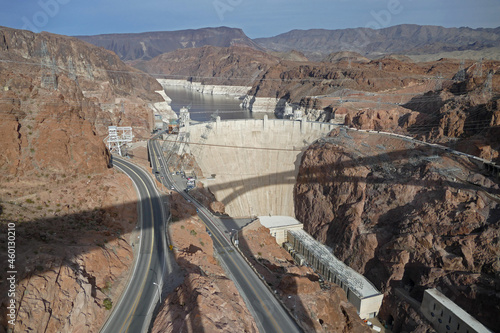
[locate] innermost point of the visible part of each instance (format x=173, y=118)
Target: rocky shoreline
x=249, y=102
x=210, y=89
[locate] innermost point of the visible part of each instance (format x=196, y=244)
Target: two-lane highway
x=133, y=312
x=269, y=314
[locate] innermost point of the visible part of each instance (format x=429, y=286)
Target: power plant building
x=360, y=292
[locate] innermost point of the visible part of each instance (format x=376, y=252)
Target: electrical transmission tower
x=90, y=71
x=48, y=65
x=71, y=72
x=122, y=113
x=197, y=149
x=117, y=137
x=479, y=68
x=460, y=76
x=488, y=88
x=439, y=82
x=71, y=69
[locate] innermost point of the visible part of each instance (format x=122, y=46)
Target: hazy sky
x=257, y=18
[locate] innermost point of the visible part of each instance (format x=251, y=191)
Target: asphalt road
x=133, y=311
x=269, y=314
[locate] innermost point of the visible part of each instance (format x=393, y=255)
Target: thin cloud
x=258, y=18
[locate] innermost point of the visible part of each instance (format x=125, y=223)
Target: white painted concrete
x=279, y=225
x=446, y=316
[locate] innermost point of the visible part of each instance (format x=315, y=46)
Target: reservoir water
x=202, y=106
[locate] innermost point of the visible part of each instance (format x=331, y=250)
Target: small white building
x=159, y=124
x=288, y=111
x=446, y=316
x=297, y=115
x=278, y=226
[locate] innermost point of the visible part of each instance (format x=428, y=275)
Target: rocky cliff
x=236, y=65
x=73, y=248
x=406, y=216
x=74, y=216
x=462, y=114
x=66, y=73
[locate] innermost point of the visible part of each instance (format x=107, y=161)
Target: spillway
x=255, y=161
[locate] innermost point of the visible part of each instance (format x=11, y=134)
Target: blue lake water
x=202, y=106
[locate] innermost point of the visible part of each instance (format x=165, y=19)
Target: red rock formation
x=73, y=249
x=236, y=65
x=73, y=215
x=89, y=79
x=404, y=216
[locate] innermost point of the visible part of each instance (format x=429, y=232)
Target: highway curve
x=132, y=313
x=269, y=314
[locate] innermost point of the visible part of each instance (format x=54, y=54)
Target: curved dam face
x=251, y=165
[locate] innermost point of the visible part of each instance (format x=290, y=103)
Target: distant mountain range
x=147, y=45
x=314, y=43
x=399, y=39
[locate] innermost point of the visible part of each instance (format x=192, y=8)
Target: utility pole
x=90, y=71
x=460, y=76
x=488, y=89
x=479, y=68
x=439, y=82
x=71, y=72
x=196, y=151
x=117, y=137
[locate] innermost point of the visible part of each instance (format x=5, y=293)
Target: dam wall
x=255, y=162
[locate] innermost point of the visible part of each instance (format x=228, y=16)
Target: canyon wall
x=74, y=216
x=74, y=74
x=406, y=216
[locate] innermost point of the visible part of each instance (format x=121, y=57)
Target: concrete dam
x=251, y=165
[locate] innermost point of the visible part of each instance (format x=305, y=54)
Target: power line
x=49, y=64
x=234, y=147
